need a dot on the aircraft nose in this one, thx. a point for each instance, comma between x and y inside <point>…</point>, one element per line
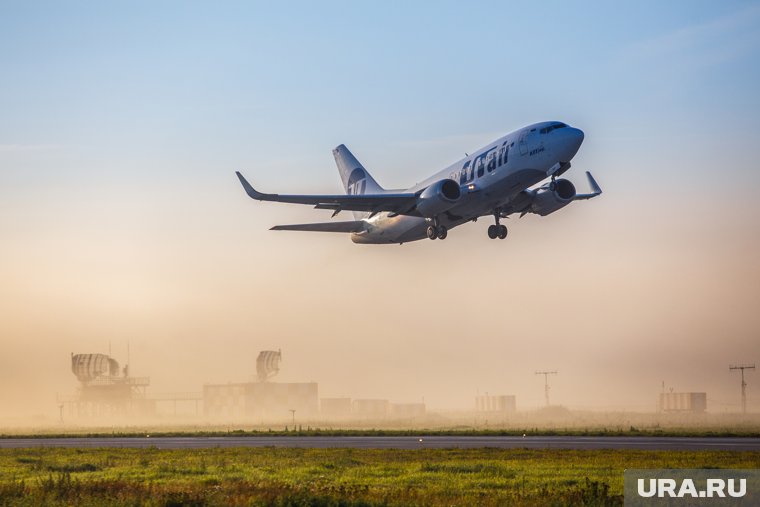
<point>574,139</point>
<point>578,135</point>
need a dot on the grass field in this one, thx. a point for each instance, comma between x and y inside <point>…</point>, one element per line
<point>279,476</point>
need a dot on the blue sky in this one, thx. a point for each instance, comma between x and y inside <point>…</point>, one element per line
<point>245,82</point>
<point>121,125</point>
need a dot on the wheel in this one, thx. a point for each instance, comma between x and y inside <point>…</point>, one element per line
<point>431,232</point>
<point>442,232</point>
<point>502,231</point>
<point>493,231</point>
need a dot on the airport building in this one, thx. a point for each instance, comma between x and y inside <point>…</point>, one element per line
<point>262,399</point>
<point>105,389</point>
<point>501,403</point>
<point>405,410</point>
<point>683,402</point>
<point>370,408</point>
<point>268,400</point>
<point>335,407</point>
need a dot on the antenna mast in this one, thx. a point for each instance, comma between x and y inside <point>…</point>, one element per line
<point>546,374</point>
<point>743,367</point>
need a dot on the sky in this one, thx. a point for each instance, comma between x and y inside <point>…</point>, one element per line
<point>121,219</point>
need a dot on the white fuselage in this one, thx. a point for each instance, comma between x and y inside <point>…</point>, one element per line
<point>491,179</point>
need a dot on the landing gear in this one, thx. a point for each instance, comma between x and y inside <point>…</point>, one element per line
<point>439,232</point>
<point>436,231</point>
<point>497,230</point>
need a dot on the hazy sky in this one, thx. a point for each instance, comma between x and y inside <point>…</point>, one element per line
<point>121,126</point>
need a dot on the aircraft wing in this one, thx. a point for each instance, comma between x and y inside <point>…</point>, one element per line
<point>372,203</point>
<point>352,226</point>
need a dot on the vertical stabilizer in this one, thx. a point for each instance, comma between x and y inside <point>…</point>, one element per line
<point>356,179</point>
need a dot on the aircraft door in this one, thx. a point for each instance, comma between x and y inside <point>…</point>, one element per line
<point>523,142</point>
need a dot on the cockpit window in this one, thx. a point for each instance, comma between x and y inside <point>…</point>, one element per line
<point>553,126</point>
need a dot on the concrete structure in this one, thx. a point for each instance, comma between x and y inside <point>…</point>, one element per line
<point>370,408</point>
<point>269,400</point>
<point>407,409</point>
<point>683,402</point>
<point>105,389</point>
<point>335,407</point>
<point>496,403</point>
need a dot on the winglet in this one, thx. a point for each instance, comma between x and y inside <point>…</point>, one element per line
<point>595,189</point>
<point>248,188</point>
<point>594,185</point>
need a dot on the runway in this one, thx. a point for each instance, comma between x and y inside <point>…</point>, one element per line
<point>405,442</point>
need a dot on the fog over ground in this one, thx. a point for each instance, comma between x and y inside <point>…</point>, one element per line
<point>122,221</point>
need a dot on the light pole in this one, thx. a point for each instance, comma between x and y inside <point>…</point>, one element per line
<point>546,374</point>
<point>743,367</point>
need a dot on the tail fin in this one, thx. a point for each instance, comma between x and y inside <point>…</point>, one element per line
<point>356,179</point>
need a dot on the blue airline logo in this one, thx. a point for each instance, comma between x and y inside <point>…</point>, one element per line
<point>357,182</point>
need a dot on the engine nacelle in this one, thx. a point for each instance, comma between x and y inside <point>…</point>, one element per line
<point>552,197</point>
<point>438,197</point>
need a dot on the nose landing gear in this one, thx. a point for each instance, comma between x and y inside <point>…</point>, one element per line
<point>498,230</point>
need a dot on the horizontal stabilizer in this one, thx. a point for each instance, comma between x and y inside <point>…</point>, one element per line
<point>352,226</point>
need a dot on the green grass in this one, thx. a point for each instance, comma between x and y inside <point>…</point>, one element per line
<point>282,476</point>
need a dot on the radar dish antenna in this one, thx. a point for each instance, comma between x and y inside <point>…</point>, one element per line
<point>94,367</point>
<point>268,364</point>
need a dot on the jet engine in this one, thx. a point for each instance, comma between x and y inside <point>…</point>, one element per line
<point>549,198</point>
<point>438,197</point>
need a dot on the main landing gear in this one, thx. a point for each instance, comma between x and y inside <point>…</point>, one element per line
<point>437,231</point>
<point>497,230</point>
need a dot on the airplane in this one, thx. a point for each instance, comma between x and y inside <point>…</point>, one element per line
<point>493,181</point>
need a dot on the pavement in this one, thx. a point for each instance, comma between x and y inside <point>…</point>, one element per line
<point>395,442</point>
